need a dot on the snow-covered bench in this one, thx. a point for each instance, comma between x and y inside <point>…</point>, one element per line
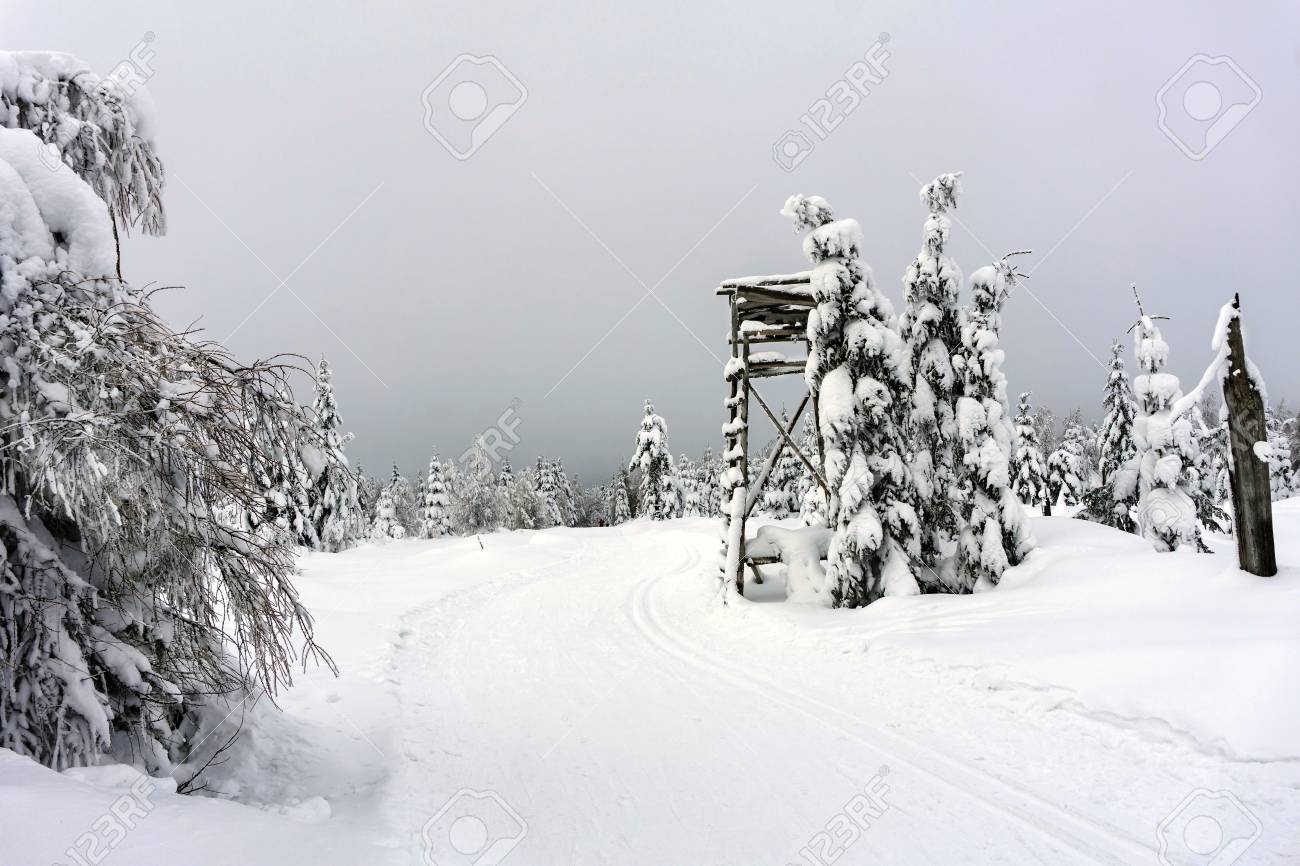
<point>802,552</point>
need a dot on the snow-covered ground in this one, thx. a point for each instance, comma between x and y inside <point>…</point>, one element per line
<point>579,696</point>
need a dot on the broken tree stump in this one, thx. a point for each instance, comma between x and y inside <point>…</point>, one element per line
<point>1252,503</point>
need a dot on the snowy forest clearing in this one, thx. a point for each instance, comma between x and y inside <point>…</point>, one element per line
<point>589,679</point>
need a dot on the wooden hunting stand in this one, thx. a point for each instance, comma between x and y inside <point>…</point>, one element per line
<point>764,310</point>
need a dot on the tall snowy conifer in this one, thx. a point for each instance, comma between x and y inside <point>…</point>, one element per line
<point>1065,468</point>
<point>435,513</point>
<point>930,327</point>
<point>857,367</point>
<point>995,534</point>
<point>333,496</point>
<point>655,462</point>
<point>1113,500</point>
<point>1165,462</point>
<point>1028,471</point>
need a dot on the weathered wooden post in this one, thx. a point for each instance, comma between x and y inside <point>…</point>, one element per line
<point>1252,505</point>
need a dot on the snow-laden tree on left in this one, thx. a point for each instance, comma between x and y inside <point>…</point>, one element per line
<point>931,329</point>
<point>335,513</point>
<point>857,370</point>
<point>655,463</point>
<point>139,609</point>
<point>994,534</point>
<point>619,510</point>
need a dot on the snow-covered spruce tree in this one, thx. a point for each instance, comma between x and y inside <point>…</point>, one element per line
<point>687,486</point>
<point>404,501</point>
<point>619,510</point>
<point>548,494</point>
<point>857,368</point>
<point>1165,463</point>
<point>1113,500</point>
<point>812,499</point>
<point>435,513</point>
<point>708,483</point>
<point>1028,470</point>
<point>386,524</point>
<point>368,488</point>
<point>1281,475</point>
<point>994,531</point>
<point>333,497</point>
<point>134,609</point>
<point>782,493</point>
<point>930,327</point>
<point>1064,466</point>
<point>506,483</point>
<point>654,461</point>
<point>523,507</point>
<point>567,498</point>
<point>478,506</point>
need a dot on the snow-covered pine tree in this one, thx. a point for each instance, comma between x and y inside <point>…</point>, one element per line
<point>548,494</point>
<point>930,327</point>
<point>857,369</point>
<point>568,497</point>
<point>619,510</point>
<point>1114,499</point>
<point>654,461</point>
<point>525,506</point>
<point>708,484</point>
<point>386,524</point>
<point>1281,474</point>
<point>135,605</point>
<point>479,506</point>
<point>368,488</point>
<point>404,501</point>
<point>506,482</point>
<point>1165,462</point>
<point>782,494</point>
<point>333,497</point>
<point>1028,470</point>
<point>812,499</point>
<point>995,533</point>
<point>1064,469</point>
<point>685,498</point>
<point>435,511</point>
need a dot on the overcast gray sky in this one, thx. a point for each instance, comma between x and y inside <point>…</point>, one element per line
<point>642,158</point>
